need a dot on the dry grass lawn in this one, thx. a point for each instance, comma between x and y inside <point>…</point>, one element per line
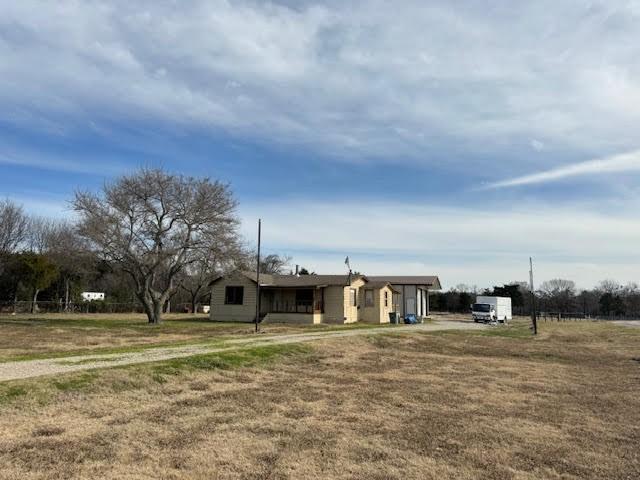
<point>423,406</point>
<point>40,336</point>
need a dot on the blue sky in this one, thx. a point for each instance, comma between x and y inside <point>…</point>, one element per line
<point>415,137</point>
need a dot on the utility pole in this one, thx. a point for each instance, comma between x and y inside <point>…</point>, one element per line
<point>534,321</point>
<point>258,276</point>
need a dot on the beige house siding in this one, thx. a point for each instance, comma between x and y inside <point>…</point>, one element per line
<point>233,313</point>
<point>279,303</point>
<point>385,310</point>
<point>351,312</point>
<point>334,311</point>
<point>297,318</point>
<point>369,314</point>
<point>377,313</point>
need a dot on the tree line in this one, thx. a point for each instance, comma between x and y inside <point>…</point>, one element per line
<point>151,237</point>
<point>557,296</point>
<point>154,238</point>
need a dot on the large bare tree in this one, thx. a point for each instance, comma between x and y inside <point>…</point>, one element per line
<point>13,226</point>
<point>60,242</point>
<point>210,264</point>
<point>153,225</point>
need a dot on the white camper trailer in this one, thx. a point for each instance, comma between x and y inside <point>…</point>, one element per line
<point>91,296</point>
<point>491,309</point>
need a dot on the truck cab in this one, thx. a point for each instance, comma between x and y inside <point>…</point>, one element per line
<point>491,309</point>
<point>483,312</point>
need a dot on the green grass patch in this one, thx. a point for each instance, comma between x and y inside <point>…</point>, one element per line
<point>11,393</point>
<point>75,382</point>
<point>230,359</point>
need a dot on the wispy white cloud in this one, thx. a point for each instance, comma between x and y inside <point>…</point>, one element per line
<point>38,204</point>
<point>360,78</point>
<point>481,246</point>
<point>88,162</point>
<point>626,162</point>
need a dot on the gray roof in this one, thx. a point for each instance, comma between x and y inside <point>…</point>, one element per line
<point>304,280</point>
<point>379,284</point>
<point>431,281</point>
<point>267,280</point>
<point>293,281</point>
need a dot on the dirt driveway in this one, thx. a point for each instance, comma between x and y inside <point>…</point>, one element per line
<point>53,366</point>
<point>627,323</point>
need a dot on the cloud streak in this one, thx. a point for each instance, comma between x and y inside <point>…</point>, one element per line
<point>358,79</point>
<point>462,245</point>
<point>626,162</point>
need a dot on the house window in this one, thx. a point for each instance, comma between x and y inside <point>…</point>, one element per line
<point>353,298</point>
<point>233,295</point>
<point>368,298</point>
<point>386,299</point>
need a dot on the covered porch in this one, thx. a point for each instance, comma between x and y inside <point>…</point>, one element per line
<point>292,304</point>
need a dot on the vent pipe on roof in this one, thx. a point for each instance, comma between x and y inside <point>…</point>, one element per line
<point>297,270</point>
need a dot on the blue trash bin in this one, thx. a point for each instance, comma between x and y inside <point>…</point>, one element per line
<point>410,319</point>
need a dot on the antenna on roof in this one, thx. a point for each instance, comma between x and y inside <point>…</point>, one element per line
<point>346,262</point>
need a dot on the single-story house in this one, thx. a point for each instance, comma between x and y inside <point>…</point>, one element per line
<point>412,295</point>
<point>302,298</point>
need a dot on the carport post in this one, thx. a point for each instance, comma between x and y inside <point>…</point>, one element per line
<point>427,301</point>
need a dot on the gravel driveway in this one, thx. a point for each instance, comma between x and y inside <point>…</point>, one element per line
<point>627,323</point>
<point>54,366</point>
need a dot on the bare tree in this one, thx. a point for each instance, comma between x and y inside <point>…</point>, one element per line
<point>41,234</point>
<point>62,244</point>
<point>559,293</point>
<point>274,264</point>
<point>609,286</point>
<point>153,225</point>
<point>37,272</point>
<point>211,263</point>
<point>13,226</point>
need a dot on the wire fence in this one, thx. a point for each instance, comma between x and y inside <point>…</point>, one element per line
<point>95,306</point>
<point>551,316</point>
<point>576,316</point>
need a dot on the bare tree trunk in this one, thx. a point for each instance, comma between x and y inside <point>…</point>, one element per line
<point>157,312</point>
<point>34,304</point>
<point>195,296</point>
<point>194,303</point>
<point>148,306</point>
<point>66,294</point>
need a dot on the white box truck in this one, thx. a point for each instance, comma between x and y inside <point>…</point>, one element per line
<point>491,309</point>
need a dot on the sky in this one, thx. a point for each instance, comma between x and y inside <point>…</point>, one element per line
<point>447,138</point>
